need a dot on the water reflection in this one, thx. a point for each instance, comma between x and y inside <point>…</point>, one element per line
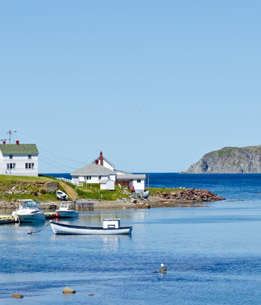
<point>113,241</point>
<point>30,225</point>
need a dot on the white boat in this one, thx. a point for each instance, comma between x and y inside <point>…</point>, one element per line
<point>145,195</point>
<point>61,195</point>
<point>65,211</point>
<point>29,211</point>
<point>110,227</point>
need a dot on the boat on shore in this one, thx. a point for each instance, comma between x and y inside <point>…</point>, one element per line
<point>29,212</point>
<point>109,227</point>
<point>66,211</point>
<point>142,195</point>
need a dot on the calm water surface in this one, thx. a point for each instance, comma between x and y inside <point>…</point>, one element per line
<point>213,254</point>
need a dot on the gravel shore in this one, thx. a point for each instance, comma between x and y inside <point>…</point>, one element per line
<point>184,198</point>
<point>116,205</point>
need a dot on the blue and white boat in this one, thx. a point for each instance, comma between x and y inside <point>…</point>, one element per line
<point>29,211</point>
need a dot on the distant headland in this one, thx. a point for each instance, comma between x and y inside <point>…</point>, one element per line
<point>229,160</point>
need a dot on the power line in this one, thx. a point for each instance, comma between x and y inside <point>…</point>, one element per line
<point>55,162</point>
<point>58,167</point>
<point>83,163</point>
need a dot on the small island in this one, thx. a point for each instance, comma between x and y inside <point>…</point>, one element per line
<point>229,160</point>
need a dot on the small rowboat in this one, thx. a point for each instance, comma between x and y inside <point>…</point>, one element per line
<point>110,227</point>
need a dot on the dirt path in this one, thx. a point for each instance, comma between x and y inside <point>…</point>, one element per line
<point>68,190</point>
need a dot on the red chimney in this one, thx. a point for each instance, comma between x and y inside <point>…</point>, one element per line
<point>96,162</point>
<point>4,142</point>
<point>17,142</point>
<point>101,159</point>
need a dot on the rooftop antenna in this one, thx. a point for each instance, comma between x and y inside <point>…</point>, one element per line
<point>10,134</point>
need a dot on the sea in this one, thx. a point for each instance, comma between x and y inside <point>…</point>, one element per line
<point>212,252</point>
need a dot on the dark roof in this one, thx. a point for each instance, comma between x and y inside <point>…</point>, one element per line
<point>19,149</point>
<point>93,170</point>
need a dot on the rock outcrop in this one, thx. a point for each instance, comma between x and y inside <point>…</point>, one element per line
<point>229,160</point>
<point>68,290</point>
<point>193,194</point>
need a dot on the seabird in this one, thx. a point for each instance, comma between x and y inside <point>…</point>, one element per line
<point>163,266</point>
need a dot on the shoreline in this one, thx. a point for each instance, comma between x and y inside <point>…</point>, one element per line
<point>99,205</point>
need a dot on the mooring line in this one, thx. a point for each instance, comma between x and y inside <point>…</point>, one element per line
<point>32,232</point>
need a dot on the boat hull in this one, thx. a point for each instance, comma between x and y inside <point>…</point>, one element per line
<point>67,214</point>
<point>63,229</point>
<point>36,218</point>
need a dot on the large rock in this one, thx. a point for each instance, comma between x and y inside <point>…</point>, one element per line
<point>68,290</point>
<point>51,186</point>
<point>228,160</point>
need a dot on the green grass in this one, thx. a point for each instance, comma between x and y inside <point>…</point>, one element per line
<point>15,179</point>
<point>229,150</point>
<point>25,188</point>
<point>154,191</point>
<point>92,191</point>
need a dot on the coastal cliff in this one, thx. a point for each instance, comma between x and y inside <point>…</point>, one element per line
<point>229,160</point>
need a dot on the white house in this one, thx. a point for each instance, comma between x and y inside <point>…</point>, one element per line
<point>18,159</point>
<point>93,173</point>
<point>102,171</point>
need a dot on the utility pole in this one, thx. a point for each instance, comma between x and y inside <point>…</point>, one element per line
<point>10,134</point>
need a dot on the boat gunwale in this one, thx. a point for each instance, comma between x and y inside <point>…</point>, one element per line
<point>87,228</point>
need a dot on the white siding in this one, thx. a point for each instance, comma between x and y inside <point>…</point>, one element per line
<point>106,164</point>
<point>112,177</point>
<point>139,185</point>
<point>109,185</point>
<point>93,179</point>
<point>20,165</point>
<point>1,163</point>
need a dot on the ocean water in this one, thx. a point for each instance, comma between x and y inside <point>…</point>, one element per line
<point>212,253</point>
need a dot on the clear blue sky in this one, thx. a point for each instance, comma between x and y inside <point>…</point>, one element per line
<point>153,84</point>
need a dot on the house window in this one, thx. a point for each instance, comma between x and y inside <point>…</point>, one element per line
<point>29,156</point>
<point>10,156</point>
<point>138,181</point>
<point>99,177</point>
<point>29,165</point>
<point>10,165</point>
<point>88,178</point>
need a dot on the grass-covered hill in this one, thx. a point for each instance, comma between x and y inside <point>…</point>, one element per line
<point>44,189</point>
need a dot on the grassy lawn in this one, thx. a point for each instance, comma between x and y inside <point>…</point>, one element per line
<point>93,191</point>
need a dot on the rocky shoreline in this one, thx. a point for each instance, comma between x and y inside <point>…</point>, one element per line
<point>185,197</point>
